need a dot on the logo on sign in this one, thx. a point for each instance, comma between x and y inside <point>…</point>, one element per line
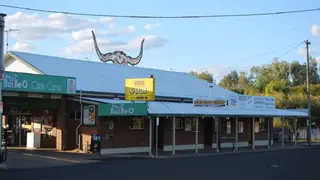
<point>212,103</point>
<point>120,110</point>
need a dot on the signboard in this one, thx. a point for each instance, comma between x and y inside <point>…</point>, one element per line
<point>89,115</point>
<point>123,109</point>
<point>24,82</point>
<point>259,102</point>
<point>141,89</point>
<point>245,101</point>
<point>269,102</point>
<point>233,101</point>
<point>209,103</point>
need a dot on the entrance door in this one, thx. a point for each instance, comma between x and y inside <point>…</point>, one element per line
<point>250,132</point>
<point>19,125</point>
<point>208,132</point>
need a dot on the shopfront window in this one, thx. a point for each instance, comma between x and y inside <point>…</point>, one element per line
<point>191,124</point>
<point>178,122</point>
<point>262,124</point>
<point>137,123</point>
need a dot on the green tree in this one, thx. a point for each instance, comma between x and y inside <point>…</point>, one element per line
<point>203,75</point>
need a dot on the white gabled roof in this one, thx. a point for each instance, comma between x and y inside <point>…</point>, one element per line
<point>110,78</point>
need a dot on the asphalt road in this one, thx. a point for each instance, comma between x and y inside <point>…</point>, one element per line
<point>300,164</point>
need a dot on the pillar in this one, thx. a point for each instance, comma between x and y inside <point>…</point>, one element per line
<point>253,134</point>
<point>174,136</point>
<point>237,135</point>
<point>197,134</point>
<point>61,137</point>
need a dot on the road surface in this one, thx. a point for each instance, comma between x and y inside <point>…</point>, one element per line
<point>300,164</point>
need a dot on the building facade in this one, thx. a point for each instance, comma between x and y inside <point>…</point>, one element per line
<point>68,116</point>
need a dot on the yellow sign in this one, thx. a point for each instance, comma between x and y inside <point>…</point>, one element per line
<point>212,103</point>
<point>141,89</point>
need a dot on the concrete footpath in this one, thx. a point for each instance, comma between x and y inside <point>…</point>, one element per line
<point>19,159</point>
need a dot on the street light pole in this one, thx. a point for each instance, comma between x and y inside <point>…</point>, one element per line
<point>1,74</point>
<point>309,96</point>
<point>7,40</point>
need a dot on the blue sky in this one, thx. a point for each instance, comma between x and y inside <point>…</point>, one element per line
<point>217,45</point>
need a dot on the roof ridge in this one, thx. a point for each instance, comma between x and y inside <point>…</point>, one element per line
<point>86,61</point>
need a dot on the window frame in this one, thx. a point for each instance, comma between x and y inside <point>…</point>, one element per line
<point>181,119</point>
<point>136,119</point>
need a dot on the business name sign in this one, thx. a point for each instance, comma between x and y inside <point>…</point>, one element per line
<point>141,89</point>
<point>89,115</point>
<point>24,82</point>
<point>209,103</point>
<point>123,109</point>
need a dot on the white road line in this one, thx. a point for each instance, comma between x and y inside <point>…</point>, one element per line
<point>54,158</point>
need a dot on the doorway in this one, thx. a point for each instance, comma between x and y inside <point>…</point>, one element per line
<point>18,127</point>
<point>160,133</point>
<point>250,132</point>
<point>208,132</point>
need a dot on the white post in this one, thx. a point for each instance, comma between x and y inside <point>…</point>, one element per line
<point>150,136</point>
<point>269,130</point>
<point>253,134</point>
<point>295,132</point>
<point>174,136</point>
<point>282,132</point>
<point>197,133</point>
<point>157,126</point>
<point>217,134</point>
<point>237,129</point>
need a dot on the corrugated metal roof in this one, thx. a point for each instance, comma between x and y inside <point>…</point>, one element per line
<point>109,78</point>
<point>185,109</point>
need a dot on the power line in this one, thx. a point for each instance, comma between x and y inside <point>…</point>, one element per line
<point>164,17</point>
<point>290,50</point>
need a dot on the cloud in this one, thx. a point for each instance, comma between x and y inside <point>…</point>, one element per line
<point>151,41</point>
<point>34,27</point>
<point>149,27</point>
<point>318,59</point>
<point>302,51</point>
<point>25,47</point>
<point>315,30</point>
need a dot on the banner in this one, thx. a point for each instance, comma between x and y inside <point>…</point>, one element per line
<point>141,89</point>
<point>270,102</point>
<point>89,113</point>
<point>210,103</point>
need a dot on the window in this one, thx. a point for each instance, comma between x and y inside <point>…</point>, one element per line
<point>228,127</point>
<point>256,126</point>
<point>137,123</point>
<point>240,126</point>
<point>191,124</point>
<point>178,122</point>
<point>262,124</point>
<point>75,115</point>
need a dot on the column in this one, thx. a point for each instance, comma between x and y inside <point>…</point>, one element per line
<point>282,132</point>
<point>217,134</point>
<point>295,131</point>
<point>237,138</point>
<point>157,126</point>
<point>150,136</point>
<point>269,131</point>
<point>174,136</point>
<point>2,24</point>
<point>61,125</point>
<point>253,134</point>
<point>197,133</point>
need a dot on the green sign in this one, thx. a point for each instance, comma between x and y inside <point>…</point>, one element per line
<point>14,81</point>
<point>123,109</point>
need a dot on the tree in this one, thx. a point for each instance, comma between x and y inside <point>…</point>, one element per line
<point>203,75</point>
<point>230,81</point>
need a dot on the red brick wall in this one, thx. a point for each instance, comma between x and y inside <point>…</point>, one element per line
<point>123,136</point>
<point>61,125</point>
<point>182,137</point>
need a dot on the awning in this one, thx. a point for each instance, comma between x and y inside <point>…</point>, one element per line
<point>158,108</point>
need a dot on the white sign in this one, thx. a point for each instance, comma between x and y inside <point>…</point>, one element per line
<point>258,102</point>
<point>269,102</point>
<point>89,114</point>
<point>233,101</point>
<point>245,102</point>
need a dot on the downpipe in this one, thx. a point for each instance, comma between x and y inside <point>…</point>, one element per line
<point>78,138</point>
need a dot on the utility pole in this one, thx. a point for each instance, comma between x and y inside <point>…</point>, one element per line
<point>7,34</point>
<point>2,24</point>
<point>309,98</point>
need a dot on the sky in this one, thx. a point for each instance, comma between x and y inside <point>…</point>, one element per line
<point>216,45</point>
